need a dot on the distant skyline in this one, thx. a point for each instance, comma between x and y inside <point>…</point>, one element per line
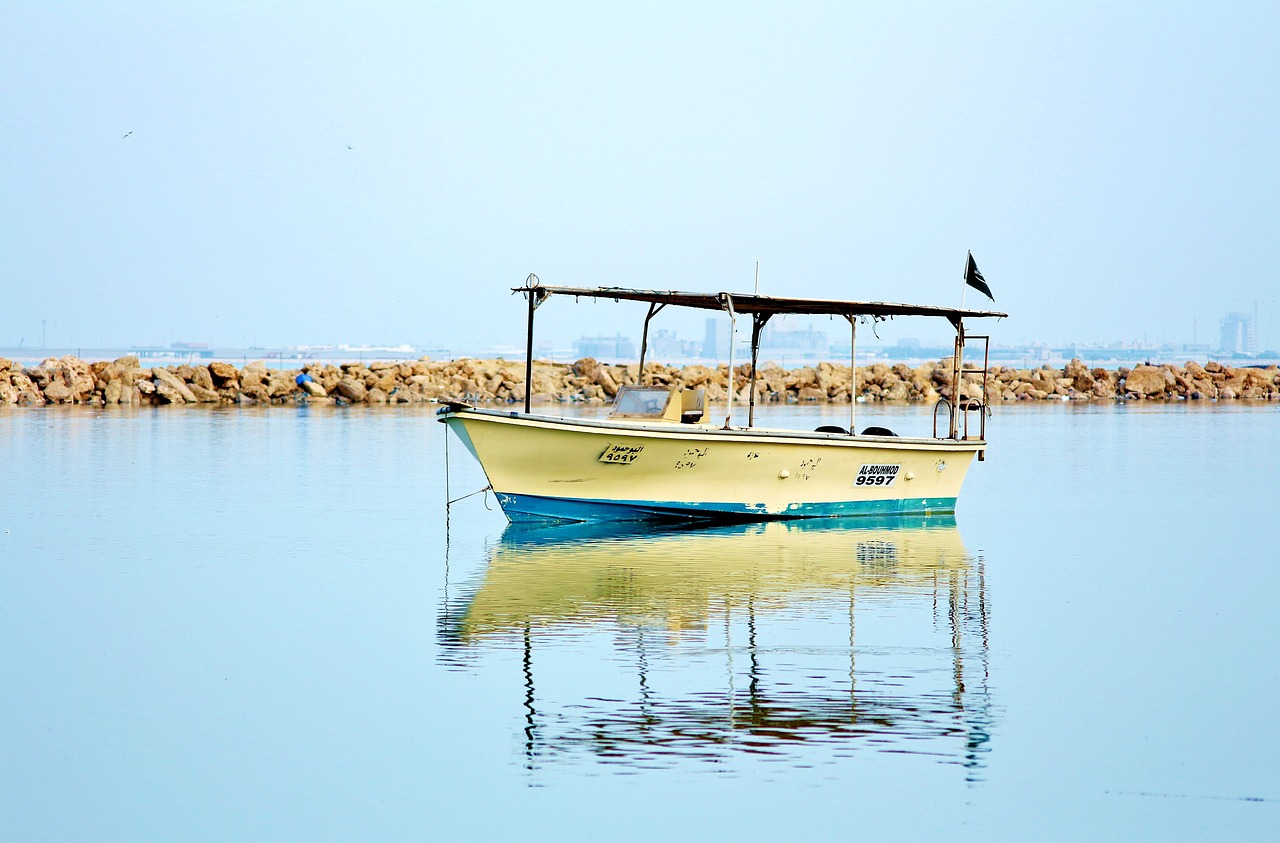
<point>289,174</point>
<point>1234,338</point>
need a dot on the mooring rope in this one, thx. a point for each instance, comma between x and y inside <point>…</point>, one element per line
<point>471,495</point>
<point>448,502</point>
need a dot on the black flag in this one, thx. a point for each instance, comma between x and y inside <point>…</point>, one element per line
<point>974,278</point>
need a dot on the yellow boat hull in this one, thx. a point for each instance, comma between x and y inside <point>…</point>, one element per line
<point>546,468</point>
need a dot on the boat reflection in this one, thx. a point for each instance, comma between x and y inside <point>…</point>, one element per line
<point>794,640</point>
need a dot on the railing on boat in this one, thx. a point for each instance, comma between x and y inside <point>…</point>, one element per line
<point>959,407</point>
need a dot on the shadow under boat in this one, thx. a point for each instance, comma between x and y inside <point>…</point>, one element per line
<point>656,589</point>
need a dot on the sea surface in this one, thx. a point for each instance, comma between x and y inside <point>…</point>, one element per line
<point>241,624</point>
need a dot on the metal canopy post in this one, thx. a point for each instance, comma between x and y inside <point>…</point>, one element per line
<point>853,370</point>
<point>757,323</point>
<point>654,308</point>
<point>956,374</point>
<point>733,318</point>
<point>536,296</point>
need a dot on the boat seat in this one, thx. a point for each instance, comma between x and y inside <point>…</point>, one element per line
<point>877,431</point>
<point>693,405</point>
<point>830,428</point>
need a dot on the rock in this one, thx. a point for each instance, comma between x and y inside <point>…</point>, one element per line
<point>69,380</point>
<point>803,378</point>
<point>1146,380</point>
<point>256,392</point>
<point>607,383</point>
<point>896,391</point>
<point>41,375</point>
<point>1083,380</point>
<point>170,394</point>
<point>223,373</point>
<point>201,377</point>
<point>1074,369</point>
<point>1103,389</point>
<point>1257,377</point>
<point>204,395</point>
<point>353,390</point>
<point>693,376</point>
<point>176,385</point>
<point>281,384</point>
<point>588,369</point>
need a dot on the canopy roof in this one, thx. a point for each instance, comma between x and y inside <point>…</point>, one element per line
<point>766,305</point>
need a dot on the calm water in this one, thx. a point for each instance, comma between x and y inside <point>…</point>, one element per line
<point>256,625</point>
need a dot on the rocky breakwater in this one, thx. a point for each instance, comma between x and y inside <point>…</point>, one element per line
<point>69,380</point>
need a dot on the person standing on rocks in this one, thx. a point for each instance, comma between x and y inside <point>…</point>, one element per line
<point>308,384</point>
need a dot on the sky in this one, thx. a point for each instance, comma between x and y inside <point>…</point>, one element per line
<point>320,173</point>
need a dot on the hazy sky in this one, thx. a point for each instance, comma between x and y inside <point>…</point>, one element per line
<point>328,172</point>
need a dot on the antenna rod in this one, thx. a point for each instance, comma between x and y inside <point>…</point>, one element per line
<point>733,318</point>
<point>853,372</point>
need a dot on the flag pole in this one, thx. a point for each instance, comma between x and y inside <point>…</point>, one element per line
<point>957,361</point>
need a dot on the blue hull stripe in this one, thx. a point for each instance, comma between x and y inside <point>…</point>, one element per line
<point>523,508</point>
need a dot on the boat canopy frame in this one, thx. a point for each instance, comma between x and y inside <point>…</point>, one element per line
<point>761,309</point>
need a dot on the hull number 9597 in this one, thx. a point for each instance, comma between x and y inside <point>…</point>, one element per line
<point>877,475</point>
<point>621,454</point>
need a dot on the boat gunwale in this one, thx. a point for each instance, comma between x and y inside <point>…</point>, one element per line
<point>711,433</point>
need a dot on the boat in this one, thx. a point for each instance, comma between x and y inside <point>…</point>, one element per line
<point>662,454</point>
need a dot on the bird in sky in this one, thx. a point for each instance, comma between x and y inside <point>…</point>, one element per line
<point>126,134</point>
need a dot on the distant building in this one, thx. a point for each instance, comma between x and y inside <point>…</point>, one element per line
<point>775,344</point>
<point>1239,334</point>
<point>715,342</point>
<point>804,343</point>
<point>606,348</point>
<point>198,349</point>
<point>665,346</point>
